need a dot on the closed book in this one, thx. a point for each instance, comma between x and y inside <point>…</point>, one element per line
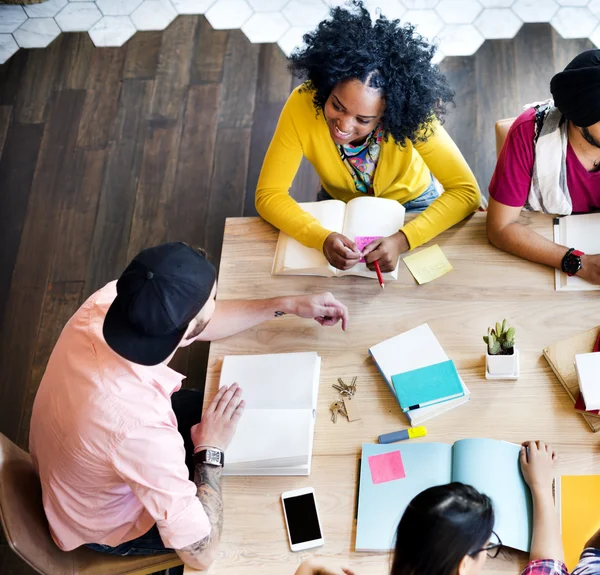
<point>588,370</point>
<point>581,408</point>
<point>427,385</point>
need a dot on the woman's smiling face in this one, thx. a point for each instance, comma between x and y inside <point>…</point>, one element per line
<point>352,111</point>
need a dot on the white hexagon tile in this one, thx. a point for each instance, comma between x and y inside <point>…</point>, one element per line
<point>457,27</point>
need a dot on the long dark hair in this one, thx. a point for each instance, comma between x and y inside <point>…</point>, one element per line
<point>439,527</point>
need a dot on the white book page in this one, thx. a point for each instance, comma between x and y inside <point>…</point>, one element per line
<point>587,366</point>
<point>302,260</point>
<point>275,381</point>
<point>266,434</point>
<point>581,232</point>
<point>372,217</point>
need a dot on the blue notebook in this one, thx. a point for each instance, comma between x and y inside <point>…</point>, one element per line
<point>490,466</point>
<point>427,385</point>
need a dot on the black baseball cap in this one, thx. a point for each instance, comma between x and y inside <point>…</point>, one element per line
<point>159,293</point>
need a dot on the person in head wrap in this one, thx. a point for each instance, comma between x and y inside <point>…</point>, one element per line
<point>550,162</point>
<point>115,441</point>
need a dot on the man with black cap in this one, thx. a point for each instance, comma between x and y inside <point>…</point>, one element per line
<point>550,162</point>
<point>110,429</point>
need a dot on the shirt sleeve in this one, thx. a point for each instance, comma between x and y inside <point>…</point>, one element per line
<point>461,195</point>
<point>151,460</point>
<point>512,177</point>
<point>282,160</point>
<point>545,567</point>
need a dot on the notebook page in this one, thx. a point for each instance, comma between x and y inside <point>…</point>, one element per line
<point>580,232</point>
<point>275,381</point>
<point>370,216</point>
<point>493,468</point>
<point>302,260</point>
<point>266,434</point>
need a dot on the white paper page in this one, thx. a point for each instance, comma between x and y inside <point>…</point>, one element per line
<point>588,367</point>
<point>410,350</point>
<point>372,217</point>
<point>275,381</point>
<point>264,434</point>
<point>581,232</point>
<point>299,258</point>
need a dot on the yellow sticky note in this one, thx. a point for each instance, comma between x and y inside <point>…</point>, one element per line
<point>580,519</point>
<point>428,264</point>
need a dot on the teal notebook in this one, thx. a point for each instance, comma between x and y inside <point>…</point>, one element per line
<point>427,385</point>
<point>491,466</point>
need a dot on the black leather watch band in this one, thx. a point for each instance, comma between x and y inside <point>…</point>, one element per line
<point>214,457</point>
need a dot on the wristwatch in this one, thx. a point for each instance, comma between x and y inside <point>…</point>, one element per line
<point>210,456</point>
<point>571,262</point>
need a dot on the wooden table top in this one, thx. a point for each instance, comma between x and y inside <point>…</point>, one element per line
<point>486,285</point>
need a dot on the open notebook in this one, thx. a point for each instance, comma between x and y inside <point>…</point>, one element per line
<point>275,433</point>
<point>411,350</point>
<point>579,232</point>
<point>490,466</point>
<point>360,217</point>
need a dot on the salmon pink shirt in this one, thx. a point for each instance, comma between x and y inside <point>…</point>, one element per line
<point>104,441</point>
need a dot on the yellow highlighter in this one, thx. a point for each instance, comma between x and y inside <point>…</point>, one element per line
<point>410,433</point>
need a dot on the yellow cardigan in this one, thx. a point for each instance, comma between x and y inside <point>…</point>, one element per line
<point>401,174</point>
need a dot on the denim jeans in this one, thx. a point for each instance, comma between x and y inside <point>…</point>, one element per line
<point>187,405</point>
<point>419,204</point>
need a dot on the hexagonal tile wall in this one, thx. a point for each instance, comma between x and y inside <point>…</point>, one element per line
<point>112,31</point>
<point>36,33</point>
<point>456,26</point>
<point>11,17</point>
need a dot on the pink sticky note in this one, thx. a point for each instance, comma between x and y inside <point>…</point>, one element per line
<point>386,467</point>
<point>363,241</point>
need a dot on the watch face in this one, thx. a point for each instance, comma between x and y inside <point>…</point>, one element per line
<point>213,457</point>
<point>572,264</point>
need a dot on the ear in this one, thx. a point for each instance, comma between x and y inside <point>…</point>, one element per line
<point>465,565</point>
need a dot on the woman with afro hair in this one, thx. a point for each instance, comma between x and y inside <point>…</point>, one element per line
<point>368,119</point>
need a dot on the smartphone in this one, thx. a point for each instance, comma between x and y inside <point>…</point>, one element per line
<point>302,519</point>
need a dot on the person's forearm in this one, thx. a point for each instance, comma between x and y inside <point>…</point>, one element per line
<point>201,554</point>
<point>546,542</point>
<point>517,239</point>
<point>235,316</point>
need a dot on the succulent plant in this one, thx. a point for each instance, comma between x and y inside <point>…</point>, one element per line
<point>500,339</point>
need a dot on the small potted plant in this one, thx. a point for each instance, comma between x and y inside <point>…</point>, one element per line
<point>502,357</point>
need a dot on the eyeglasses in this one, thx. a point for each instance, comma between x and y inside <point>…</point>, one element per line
<point>492,548</point>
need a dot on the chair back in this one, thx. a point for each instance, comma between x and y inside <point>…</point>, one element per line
<point>502,128</point>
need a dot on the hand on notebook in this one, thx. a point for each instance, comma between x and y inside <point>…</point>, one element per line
<point>323,308</point>
<point>538,462</point>
<point>386,251</point>
<point>220,419</point>
<point>341,252</point>
<point>590,268</point>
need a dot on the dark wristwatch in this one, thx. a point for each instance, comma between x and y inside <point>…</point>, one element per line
<point>210,456</point>
<point>571,262</point>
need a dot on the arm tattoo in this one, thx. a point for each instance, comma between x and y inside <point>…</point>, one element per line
<point>279,313</point>
<point>208,481</point>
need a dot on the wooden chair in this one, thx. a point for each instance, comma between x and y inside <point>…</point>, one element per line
<point>26,528</point>
<point>502,128</point>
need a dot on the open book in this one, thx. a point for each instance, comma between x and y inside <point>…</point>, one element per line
<point>275,433</point>
<point>414,349</point>
<point>579,232</point>
<point>491,466</point>
<point>360,217</point>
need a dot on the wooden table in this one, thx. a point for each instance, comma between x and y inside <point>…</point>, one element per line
<point>486,285</point>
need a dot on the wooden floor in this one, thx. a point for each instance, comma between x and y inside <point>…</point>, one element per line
<point>106,151</point>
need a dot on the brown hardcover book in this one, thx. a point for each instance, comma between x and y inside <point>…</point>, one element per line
<point>561,358</point>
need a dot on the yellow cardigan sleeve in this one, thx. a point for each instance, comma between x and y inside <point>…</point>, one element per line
<point>461,194</point>
<point>282,160</point>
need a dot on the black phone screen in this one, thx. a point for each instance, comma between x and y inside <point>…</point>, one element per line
<point>303,522</point>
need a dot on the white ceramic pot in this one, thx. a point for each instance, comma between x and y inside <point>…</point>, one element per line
<point>502,365</point>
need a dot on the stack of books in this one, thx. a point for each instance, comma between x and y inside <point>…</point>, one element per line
<point>420,375</point>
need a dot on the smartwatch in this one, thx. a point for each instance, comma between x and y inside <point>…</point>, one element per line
<point>571,262</point>
<point>210,456</point>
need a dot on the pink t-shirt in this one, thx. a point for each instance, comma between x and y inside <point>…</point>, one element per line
<point>512,177</point>
<point>104,441</point>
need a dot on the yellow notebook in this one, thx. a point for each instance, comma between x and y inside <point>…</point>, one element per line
<point>578,502</point>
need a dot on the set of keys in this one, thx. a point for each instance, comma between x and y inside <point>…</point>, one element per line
<point>347,404</point>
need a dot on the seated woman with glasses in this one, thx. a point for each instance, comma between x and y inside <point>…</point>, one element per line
<point>448,530</point>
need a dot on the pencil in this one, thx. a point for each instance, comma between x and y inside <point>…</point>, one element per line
<point>379,276</point>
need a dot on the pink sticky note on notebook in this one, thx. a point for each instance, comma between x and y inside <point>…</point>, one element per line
<point>363,241</point>
<point>386,467</point>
